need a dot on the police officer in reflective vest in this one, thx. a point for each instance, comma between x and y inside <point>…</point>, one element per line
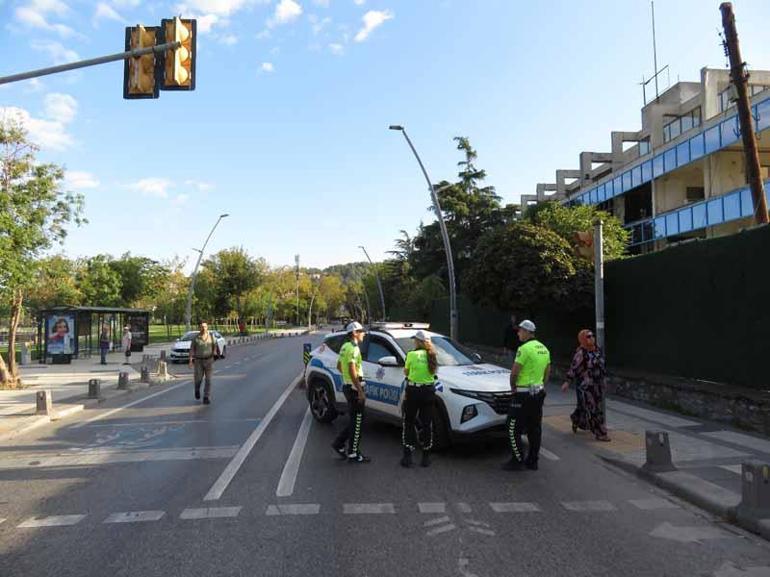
<point>349,364</point>
<point>529,374</point>
<point>419,397</point>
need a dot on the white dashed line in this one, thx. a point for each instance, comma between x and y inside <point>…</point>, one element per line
<point>210,513</point>
<point>548,454</point>
<point>439,530</point>
<point>653,504</point>
<point>135,517</point>
<point>432,508</point>
<point>588,506</point>
<point>54,521</point>
<point>291,468</point>
<point>368,508</point>
<point>293,509</point>
<point>737,469</point>
<point>434,522</point>
<point>464,508</point>
<point>487,532</point>
<point>515,507</point>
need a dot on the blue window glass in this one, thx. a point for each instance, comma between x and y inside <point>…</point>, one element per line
<point>669,160</point>
<point>699,216</point>
<point>657,166</point>
<point>602,193</point>
<point>696,146</point>
<point>714,208</point>
<point>617,186</point>
<point>592,196</point>
<point>636,176</point>
<point>732,204</point>
<point>729,128</point>
<point>712,139</point>
<point>660,227</point>
<point>608,189</point>
<point>672,224</point>
<point>626,181</point>
<point>685,220</point>
<point>683,153</point>
<point>647,171</point>
<point>763,112</point>
<point>747,204</point>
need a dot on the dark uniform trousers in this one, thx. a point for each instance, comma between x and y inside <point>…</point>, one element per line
<point>418,399</point>
<point>526,414</point>
<point>352,433</point>
<point>203,367</point>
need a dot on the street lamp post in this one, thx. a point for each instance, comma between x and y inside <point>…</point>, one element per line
<point>188,308</point>
<point>316,280</point>
<point>379,284</point>
<point>453,317</point>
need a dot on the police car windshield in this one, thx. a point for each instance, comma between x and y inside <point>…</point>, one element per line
<point>189,336</point>
<point>449,354</point>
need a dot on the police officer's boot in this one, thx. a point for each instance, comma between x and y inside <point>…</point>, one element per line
<point>406,460</point>
<point>425,458</point>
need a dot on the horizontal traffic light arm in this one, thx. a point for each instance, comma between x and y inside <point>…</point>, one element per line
<point>159,49</point>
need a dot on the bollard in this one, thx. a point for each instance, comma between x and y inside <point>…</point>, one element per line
<point>306,348</point>
<point>163,355</point>
<point>123,381</point>
<point>44,403</point>
<point>145,374</point>
<point>162,371</point>
<point>755,493</point>
<point>658,452</point>
<point>94,388</point>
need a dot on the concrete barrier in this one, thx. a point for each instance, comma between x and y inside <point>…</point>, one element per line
<point>755,495</point>
<point>44,403</point>
<point>163,355</point>
<point>123,381</point>
<point>658,452</point>
<point>145,374</point>
<point>94,388</point>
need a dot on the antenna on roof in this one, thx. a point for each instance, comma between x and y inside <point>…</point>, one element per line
<point>654,77</point>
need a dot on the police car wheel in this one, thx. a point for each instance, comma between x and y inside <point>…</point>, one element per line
<point>321,402</point>
<point>442,438</point>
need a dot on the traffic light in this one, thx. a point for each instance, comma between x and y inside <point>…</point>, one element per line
<point>141,75</point>
<point>179,68</point>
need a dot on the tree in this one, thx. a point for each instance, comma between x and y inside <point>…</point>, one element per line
<point>233,273</point>
<point>99,283</point>
<point>34,215</point>
<point>141,278</point>
<point>567,221</point>
<point>54,284</point>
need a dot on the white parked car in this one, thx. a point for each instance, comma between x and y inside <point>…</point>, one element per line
<point>472,397</point>
<point>180,352</point>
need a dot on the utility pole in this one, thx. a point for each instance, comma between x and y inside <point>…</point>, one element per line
<point>599,291</point>
<point>740,78</point>
<point>379,284</point>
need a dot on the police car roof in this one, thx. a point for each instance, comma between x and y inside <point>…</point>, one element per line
<point>392,325</point>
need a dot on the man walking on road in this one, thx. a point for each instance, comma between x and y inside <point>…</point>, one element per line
<point>203,349</point>
<point>349,364</point>
<point>529,374</point>
<point>126,342</point>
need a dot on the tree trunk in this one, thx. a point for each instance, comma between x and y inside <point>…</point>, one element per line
<point>15,319</point>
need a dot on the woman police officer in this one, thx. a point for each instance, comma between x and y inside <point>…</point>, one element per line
<point>419,398</point>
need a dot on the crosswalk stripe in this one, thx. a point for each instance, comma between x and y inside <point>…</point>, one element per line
<point>588,506</point>
<point>135,517</point>
<point>368,508</point>
<point>548,454</point>
<point>439,530</point>
<point>514,507</point>
<point>432,508</point>
<point>293,509</point>
<point>653,504</point>
<point>53,521</point>
<point>434,522</point>
<point>464,508</point>
<point>210,513</point>
<point>737,469</point>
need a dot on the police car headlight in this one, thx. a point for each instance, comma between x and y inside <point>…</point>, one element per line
<point>469,412</point>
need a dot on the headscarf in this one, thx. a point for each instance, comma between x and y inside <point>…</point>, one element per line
<point>585,342</point>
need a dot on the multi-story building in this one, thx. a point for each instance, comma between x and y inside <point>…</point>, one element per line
<point>683,174</point>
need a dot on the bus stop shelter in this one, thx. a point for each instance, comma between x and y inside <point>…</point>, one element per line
<point>64,333</point>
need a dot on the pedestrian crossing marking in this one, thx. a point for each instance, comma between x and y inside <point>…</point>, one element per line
<point>515,507</point>
<point>439,530</point>
<point>653,504</point>
<point>53,521</point>
<point>437,521</point>
<point>293,509</point>
<point>432,508</point>
<point>588,506</point>
<point>368,508</point>
<point>135,517</point>
<point>210,513</point>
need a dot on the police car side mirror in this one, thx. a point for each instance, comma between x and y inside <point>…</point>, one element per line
<point>476,358</point>
<point>388,362</point>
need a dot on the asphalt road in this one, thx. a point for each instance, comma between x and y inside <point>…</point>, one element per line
<point>170,487</point>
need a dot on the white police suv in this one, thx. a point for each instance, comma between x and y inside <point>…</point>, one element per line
<point>472,397</point>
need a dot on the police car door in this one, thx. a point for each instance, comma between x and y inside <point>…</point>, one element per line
<point>383,383</point>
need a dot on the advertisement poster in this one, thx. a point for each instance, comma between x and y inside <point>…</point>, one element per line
<point>139,331</point>
<point>60,334</point>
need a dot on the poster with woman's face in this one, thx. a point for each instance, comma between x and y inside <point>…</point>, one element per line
<point>60,334</point>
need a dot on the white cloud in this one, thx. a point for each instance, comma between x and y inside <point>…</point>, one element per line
<point>60,108</point>
<point>156,187</point>
<point>181,199</point>
<point>267,67</point>
<point>324,3</point>
<point>372,20</point>
<point>126,3</point>
<point>229,39</point>
<point>336,49</point>
<point>359,2</point>
<point>34,15</point>
<point>206,22</point>
<point>217,7</point>
<point>286,11</point>
<point>59,54</point>
<point>106,12</point>
<point>318,24</point>
<point>48,134</point>
<point>79,180</point>
<point>199,185</point>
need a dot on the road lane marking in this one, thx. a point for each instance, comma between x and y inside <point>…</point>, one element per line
<point>2,520</point>
<point>653,504</point>
<point>548,454</point>
<point>162,423</point>
<point>439,530</point>
<point>221,484</point>
<point>53,521</point>
<point>437,521</point>
<point>515,507</point>
<point>482,531</point>
<point>432,508</point>
<point>588,506</point>
<point>291,468</point>
<point>368,508</point>
<point>737,469</point>
<point>135,517</point>
<point>293,509</point>
<point>464,508</point>
<point>210,513</point>
<point>128,405</point>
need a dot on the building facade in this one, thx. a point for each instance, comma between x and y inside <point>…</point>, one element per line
<point>682,176</point>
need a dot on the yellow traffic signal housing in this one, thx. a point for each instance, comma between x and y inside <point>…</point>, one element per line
<point>141,75</point>
<point>179,67</point>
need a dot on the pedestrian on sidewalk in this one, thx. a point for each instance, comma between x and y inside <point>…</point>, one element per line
<point>511,340</point>
<point>588,373</point>
<point>349,364</point>
<point>126,343</point>
<point>104,343</point>
<point>419,398</point>
<point>203,350</point>
<point>529,373</point>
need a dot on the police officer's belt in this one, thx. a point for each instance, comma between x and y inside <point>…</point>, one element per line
<point>531,389</point>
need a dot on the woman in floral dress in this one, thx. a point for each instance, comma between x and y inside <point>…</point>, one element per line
<point>587,372</point>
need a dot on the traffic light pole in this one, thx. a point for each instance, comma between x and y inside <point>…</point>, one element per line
<point>159,49</point>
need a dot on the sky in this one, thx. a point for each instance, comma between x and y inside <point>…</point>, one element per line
<point>287,130</point>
